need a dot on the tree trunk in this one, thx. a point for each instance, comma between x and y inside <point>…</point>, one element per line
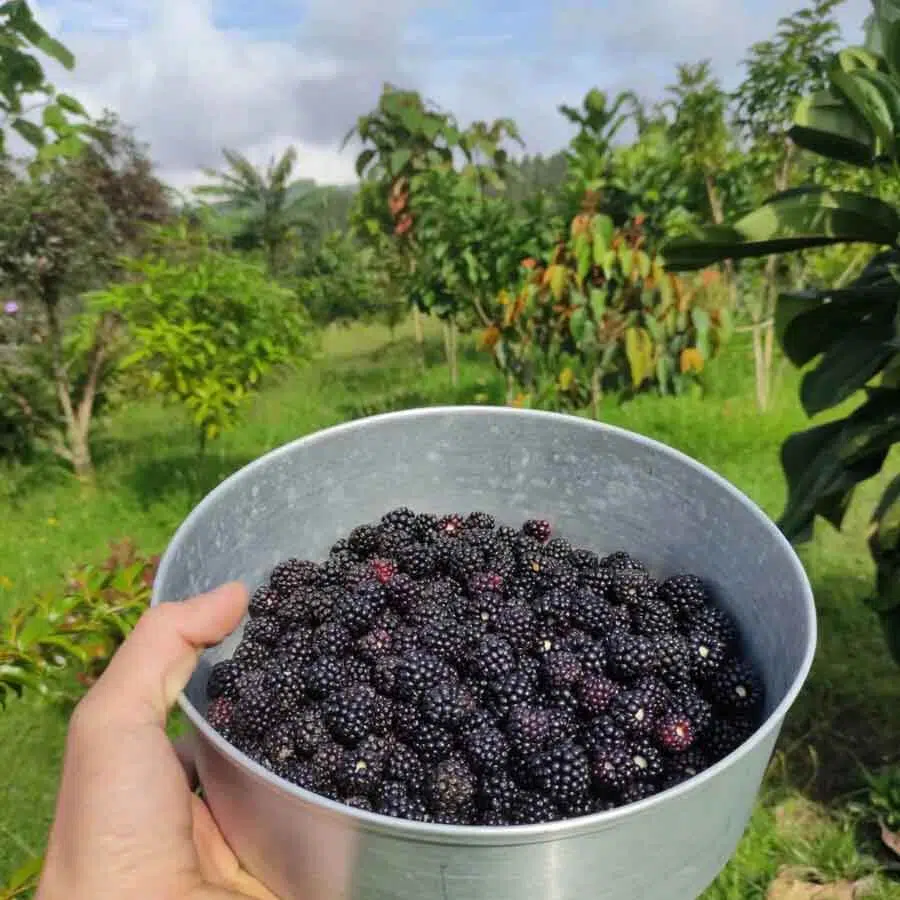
<point>449,329</point>
<point>596,392</point>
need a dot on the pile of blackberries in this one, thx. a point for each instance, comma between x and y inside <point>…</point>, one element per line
<point>450,669</point>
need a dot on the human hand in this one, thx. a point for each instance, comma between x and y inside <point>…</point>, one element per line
<point>127,823</point>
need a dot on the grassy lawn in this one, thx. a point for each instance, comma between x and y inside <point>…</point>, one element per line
<point>149,477</point>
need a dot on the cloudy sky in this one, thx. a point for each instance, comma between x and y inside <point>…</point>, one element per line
<point>193,76</point>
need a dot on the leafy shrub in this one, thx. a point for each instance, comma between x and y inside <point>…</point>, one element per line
<point>59,644</point>
<point>207,327</point>
<point>603,315</point>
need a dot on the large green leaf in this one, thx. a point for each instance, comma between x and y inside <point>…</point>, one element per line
<point>824,464</point>
<point>826,125</point>
<point>875,97</point>
<point>793,220</point>
<point>884,544</point>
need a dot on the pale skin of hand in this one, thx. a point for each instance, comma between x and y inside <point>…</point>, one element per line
<point>127,824</point>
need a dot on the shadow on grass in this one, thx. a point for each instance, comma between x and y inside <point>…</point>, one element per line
<point>847,717</point>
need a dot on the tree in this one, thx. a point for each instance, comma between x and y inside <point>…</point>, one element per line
<point>206,327</point>
<point>852,332</point>
<point>263,199</point>
<point>779,72</point>
<point>61,232</point>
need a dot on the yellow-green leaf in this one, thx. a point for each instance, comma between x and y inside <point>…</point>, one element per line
<point>639,350</point>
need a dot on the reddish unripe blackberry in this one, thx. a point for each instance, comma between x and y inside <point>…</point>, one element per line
<point>292,574</point>
<point>630,655</point>
<point>331,639</point>
<point>491,657</point>
<point>560,670</point>
<point>220,713</point>
<point>451,786</point>
<point>447,704</point>
<point>533,808</point>
<point>633,587</point>
<point>622,561</point>
<point>737,688</point>
<point>264,601</point>
<point>675,732</point>
<point>418,671</point>
<point>707,654</point>
<point>224,680</point>
<point>349,714</point>
<point>539,529</point>
<point>363,540</point>
<point>450,525</point>
<point>685,594</point>
<point>374,644</point>
<point>633,711</point>
<point>416,560</point>
<point>486,749</point>
<point>480,520</point>
<point>383,570</point>
<point>510,689</point>
<point>324,677</point>
<point>562,772</point>
<point>595,694</point>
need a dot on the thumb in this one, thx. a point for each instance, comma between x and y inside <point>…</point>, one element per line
<point>150,669</point>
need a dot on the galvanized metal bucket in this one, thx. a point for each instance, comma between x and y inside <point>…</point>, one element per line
<point>602,487</point>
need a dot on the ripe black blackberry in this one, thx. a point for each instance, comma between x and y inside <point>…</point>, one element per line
<point>254,713</point>
<point>251,656</point>
<point>447,639</point>
<point>678,767</point>
<point>646,759</point>
<point>516,623</point>
<point>374,644</point>
<point>331,639</point>
<point>497,792</point>
<point>612,768</point>
<point>630,655</point>
<point>554,607</point>
<point>357,671</point>
<point>384,674</point>
<point>400,517</point>
<point>491,657</point>
<point>585,560</point>
<point>224,680</point>
<point>707,654</point>
<point>559,549</point>
<point>510,689</point>
<point>397,802</point>
<point>356,613</point>
<point>416,560</point>
<point>503,562</point>
<point>486,749</point>
<point>562,772</point>
<point>622,561</point>
<point>634,711</point>
<point>686,594</point>
<point>528,728</point>
<point>362,803</point>
<point>391,541</point>
<point>736,688</point>
<point>713,620</point>
<point>451,786</point>
<point>431,742</point>
<point>637,791</point>
<point>403,592</point>
<point>326,762</point>
<point>533,808</point>
<point>363,540</point>
<point>465,560</point>
<point>280,742</point>
<point>450,525</point>
<point>406,640</point>
<point>480,520</point>
<point>656,691</point>
<point>286,686</point>
<point>653,619</point>
<point>560,670</point>
<point>633,587</point>
<point>485,582</point>
<point>293,574</point>
<point>598,580</point>
<point>591,653</point>
<point>448,704</point>
<point>324,677</point>
<point>403,765</point>
<point>592,613</point>
<point>672,658</point>
<point>602,732</point>
<point>595,694</point>
<point>417,672</point>
<point>725,735</point>
<point>361,770</point>
<point>425,611</point>
<point>295,645</point>
<point>220,714</point>
<point>349,714</point>
<point>539,529</point>
<point>301,773</point>
<point>310,732</point>
<point>264,601</point>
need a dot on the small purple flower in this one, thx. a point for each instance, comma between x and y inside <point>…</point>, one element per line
<point>11,307</point>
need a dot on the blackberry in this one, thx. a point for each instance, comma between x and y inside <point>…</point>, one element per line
<point>302,773</point>
<point>356,613</point>
<point>427,610</point>
<point>672,657</point>
<point>612,768</point>
<point>403,765</point>
<point>349,714</point>
<point>384,674</point>
<point>254,713</point>
<point>658,695</point>
<point>363,540</point>
<point>451,786</point>
<point>395,801</point>
<point>539,529</point>
<point>592,613</point>
<point>482,610</point>
<point>554,575</point>
<point>383,570</point>
<point>357,671</point>
<point>360,771</point>
<point>596,580</point>
<point>595,694</point>
<point>417,672</point>
<point>560,670</point>
<point>685,594</point>
<point>492,819</point>
<point>251,656</point>
<point>416,560</point>
<point>374,645</point>
<point>292,574</point>
<point>603,732</point>
<point>634,712</point>
<point>621,561</point>
<point>220,714</point>
<point>492,657</point>
<point>310,732</point>
<point>224,680</point>
<point>362,803</point>
<point>559,549</point>
<point>465,561</point>
<point>675,732</point>
<point>486,749</point>
<point>485,582</point>
<point>653,619</point>
<point>637,791</point>
<point>585,560</point>
<point>382,715</point>
<point>450,525</point>
<point>480,520</point>
<point>725,735</point>
<point>532,808</point>
<point>678,767</point>
<point>390,542</point>
<point>509,690</point>
<point>716,621</point>
<point>324,677</point>
<point>528,728</point>
<point>630,655</point>
<point>403,592</point>
<point>406,640</point>
<point>341,545</point>
<point>515,622</point>
<point>286,684</point>
<point>295,645</point>
<point>327,762</point>
<point>280,742</point>
<point>426,525</point>
<point>401,517</point>
<point>633,587</point>
<point>646,759</point>
<point>431,742</point>
<point>591,654</point>
<point>331,639</point>
<point>737,688</point>
<point>264,601</point>
<point>554,607</point>
<point>447,639</point>
<point>497,793</point>
<point>562,772</point>
<point>707,654</point>
<point>690,704</point>
<point>447,704</point>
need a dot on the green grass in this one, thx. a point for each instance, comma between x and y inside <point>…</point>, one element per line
<point>149,477</point>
